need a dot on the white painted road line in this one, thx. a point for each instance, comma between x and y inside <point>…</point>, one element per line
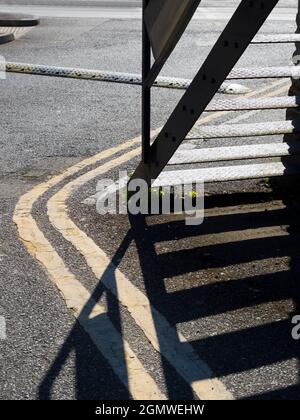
<point>274,93</point>
<point>282,86</point>
<point>203,13</point>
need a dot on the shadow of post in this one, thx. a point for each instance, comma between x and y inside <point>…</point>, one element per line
<point>242,350</point>
<point>95,379</point>
<point>250,348</point>
<point>291,185</point>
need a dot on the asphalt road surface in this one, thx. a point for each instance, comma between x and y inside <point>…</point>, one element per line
<point>222,294</point>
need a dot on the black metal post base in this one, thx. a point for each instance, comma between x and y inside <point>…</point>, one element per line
<point>17,20</point>
<point>4,38</point>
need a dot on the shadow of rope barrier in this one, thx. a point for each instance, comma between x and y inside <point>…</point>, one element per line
<point>16,24</point>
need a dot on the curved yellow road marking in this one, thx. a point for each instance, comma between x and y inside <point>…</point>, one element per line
<point>139,307</point>
<point>75,295</point>
<point>183,358</point>
<point>91,315</point>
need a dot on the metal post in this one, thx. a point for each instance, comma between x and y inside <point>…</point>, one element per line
<point>236,37</point>
<point>146,91</point>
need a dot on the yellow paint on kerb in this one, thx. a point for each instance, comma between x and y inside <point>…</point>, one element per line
<point>183,358</point>
<point>91,315</point>
<point>77,297</point>
<point>137,304</point>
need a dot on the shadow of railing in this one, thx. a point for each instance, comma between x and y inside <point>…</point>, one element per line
<point>95,378</point>
<point>250,347</point>
<point>188,252</point>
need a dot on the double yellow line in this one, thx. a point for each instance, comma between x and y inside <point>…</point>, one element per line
<point>93,316</point>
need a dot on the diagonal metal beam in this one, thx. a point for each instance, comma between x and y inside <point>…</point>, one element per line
<point>238,34</point>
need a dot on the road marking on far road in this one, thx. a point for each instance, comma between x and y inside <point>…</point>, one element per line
<point>91,315</point>
<point>283,86</point>
<point>203,13</point>
<point>249,114</point>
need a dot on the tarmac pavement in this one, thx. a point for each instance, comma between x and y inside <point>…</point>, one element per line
<point>221,294</point>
